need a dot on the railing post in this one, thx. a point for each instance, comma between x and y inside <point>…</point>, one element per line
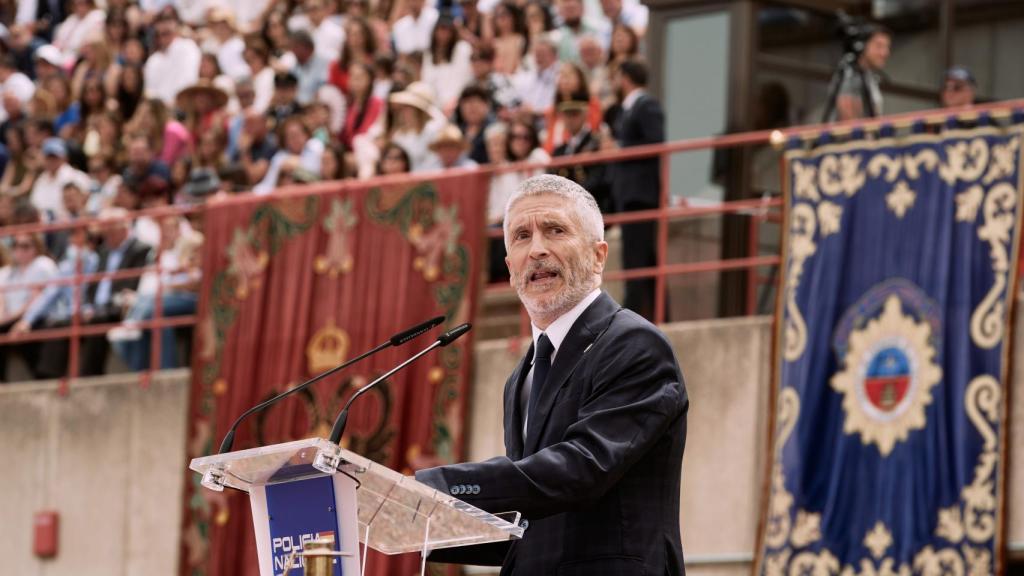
<point>660,283</point>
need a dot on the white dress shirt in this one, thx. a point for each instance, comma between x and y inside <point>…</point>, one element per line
<point>556,333</point>
<point>168,72</point>
<point>413,34</point>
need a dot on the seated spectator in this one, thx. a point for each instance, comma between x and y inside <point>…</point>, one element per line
<point>29,263</point>
<point>179,285</point>
<point>104,301</point>
<point>629,13</point>
<point>48,62</point>
<point>55,304</point>
<point>499,88</point>
<point>284,104</point>
<point>142,163</point>
<point>48,191</point>
<point>537,88</point>
<point>359,48</point>
<point>256,147</point>
<point>333,164</point>
<point>411,33</point>
<point>393,160</point>
<point>574,26</point>
<point>508,38</point>
<point>66,122</point>
<point>470,24</point>
<point>163,132</point>
<point>174,64</point>
<point>203,105</point>
<point>328,36</point>
<point>472,117</point>
<point>105,181</point>
<point>13,109</point>
<point>257,57</point>
<point>625,45</point>
<point>958,88</point>
<point>595,66</point>
<point>449,151</point>
<point>23,164</point>
<point>84,21</point>
<point>416,121</point>
<point>224,42</point>
<point>125,99</point>
<point>96,63</point>
<point>446,65</point>
<point>297,143</point>
<point>570,86</point>
<point>103,136</point>
<point>580,139</point>
<point>310,69</point>
<point>362,109</point>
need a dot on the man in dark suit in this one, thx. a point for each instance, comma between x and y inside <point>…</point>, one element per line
<point>595,414</point>
<point>103,300</point>
<point>580,141</point>
<point>636,184</point>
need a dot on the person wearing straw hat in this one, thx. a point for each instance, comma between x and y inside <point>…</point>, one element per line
<point>449,150</point>
<point>417,122</point>
<point>203,104</point>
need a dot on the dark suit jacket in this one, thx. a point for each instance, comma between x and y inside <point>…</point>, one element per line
<point>597,480</point>
<point>136,255</point>
<point>591,176</point>
<point>636,184</point>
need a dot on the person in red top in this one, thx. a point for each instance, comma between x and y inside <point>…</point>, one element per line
<point>360,46</point>
<point>363,107</point>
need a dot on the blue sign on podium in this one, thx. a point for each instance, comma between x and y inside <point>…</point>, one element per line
<point>300,512</point>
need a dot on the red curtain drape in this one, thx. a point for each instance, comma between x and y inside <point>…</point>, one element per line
<point>295,286</point>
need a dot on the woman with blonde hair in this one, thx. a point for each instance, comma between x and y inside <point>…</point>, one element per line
<point>165,134</point>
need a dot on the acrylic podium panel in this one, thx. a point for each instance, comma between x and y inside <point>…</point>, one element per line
<point>395,513</point>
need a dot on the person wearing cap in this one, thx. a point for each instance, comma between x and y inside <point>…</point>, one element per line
<point>958,88</point>
<point>449,151</point>
<point>48,62</point>
<point>580,139</point>
<point>417,121</point>
<point>225,42</point>
<point>48,191</point>
<point>13,82</point>
<point>174,64</point>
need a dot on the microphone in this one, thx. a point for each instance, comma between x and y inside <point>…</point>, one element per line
<point>396,340</point>
<point>442,340</point>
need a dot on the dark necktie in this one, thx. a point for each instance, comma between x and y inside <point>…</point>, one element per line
<point>541,367</point>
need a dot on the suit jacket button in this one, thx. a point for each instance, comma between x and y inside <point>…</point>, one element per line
<point>524,523</point>
<point>454,490</point>
<point>476,488</point>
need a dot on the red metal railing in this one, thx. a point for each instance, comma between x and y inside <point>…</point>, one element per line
<point>759,210</point>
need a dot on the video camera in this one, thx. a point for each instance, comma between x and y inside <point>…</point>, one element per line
<point>854,32</point>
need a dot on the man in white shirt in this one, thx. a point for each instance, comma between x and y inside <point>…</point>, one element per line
<point>14,83</point>
<point>537,87</point>
<point>225,42</point>
<point>412,31</point>
<point>629,13</point>
<point>47,194</point>
<point>174,65</point>
<point>328,35</point>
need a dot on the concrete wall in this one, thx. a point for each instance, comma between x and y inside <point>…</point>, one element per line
<point>110,457</point>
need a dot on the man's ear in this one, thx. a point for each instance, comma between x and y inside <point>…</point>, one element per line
<point>600,256</point>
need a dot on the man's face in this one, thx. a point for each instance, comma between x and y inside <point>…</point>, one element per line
<point>449,154</point>
<point>114,233</point>
<point>74,199</point>
<point>474,110</point>
<point>574,120</point>
<point>552,264</point>
<point>571,11</point>
<point>482,67</point>
<point>52,163</point>
<point>165,31</point>
<point>876,51</point>
<point>138,154</point>
<point>545,55</point>
<point>301,50</point>
<point>956,93</point>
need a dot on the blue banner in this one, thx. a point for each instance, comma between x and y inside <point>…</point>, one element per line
<point>301,511</point>
<point>900,257</point>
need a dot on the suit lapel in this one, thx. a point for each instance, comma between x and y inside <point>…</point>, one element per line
<point>582,334</point>
<point>513,413</point>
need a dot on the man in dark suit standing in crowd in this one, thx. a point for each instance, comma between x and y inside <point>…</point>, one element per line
<point>636,184</point>
<point>594,415</point>
<point>581,139</point>
<point>104,300</point>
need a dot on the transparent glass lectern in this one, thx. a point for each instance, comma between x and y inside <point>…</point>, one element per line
<point>296,498</point>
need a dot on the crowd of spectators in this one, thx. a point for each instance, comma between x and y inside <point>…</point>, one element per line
<point>110,106</point>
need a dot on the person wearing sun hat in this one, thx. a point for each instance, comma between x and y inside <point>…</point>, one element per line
<point>449,150</point>
<point>203,104</point>
<point>417,121</point>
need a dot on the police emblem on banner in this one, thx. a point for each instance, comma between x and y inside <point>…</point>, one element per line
<point>888,365</point>
<point>893,331</point>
